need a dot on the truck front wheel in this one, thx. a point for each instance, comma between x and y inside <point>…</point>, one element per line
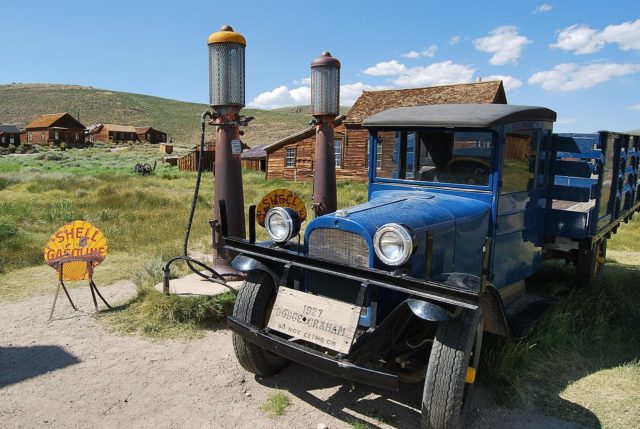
<point>455,356</point>
<point>253,305</point>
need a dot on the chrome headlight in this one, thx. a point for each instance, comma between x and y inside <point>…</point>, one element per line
<point>282,224</point>
<point>393,244</point>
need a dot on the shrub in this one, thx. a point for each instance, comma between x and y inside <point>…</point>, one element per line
<point>11,148</point>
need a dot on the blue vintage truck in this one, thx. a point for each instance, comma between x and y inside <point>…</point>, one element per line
<point>465,203</point>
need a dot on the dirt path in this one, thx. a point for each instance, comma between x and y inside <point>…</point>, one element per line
<point>72,373</point>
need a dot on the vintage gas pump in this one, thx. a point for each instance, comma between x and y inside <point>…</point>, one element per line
<point>325,106</point>
<point>226,97</point>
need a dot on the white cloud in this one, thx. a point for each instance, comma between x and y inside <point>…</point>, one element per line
<point>351,91</point>
<point>455,40</point>
<point>579,38</point>
<point>509,82</point>
<point>504,43</point>
<point>626,35</point>
<point>542,8</point>
<point>582,39</point>
<point>281,97</point>
<point>435,74</point>
<point>429,52</point>
<point>303,81</point>
<point>386,68</point>
<point>635,106</point>
<point>571,77</point>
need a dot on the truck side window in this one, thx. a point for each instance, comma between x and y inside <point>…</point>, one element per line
<point>519,167</point>
<point>450,157</point>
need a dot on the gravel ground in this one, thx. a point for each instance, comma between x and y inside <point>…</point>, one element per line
<point>71,372</point>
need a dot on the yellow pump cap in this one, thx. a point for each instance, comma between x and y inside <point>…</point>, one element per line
<point>226,35</point>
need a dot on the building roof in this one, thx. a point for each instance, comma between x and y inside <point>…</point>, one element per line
<point>45,121</point>
<point>634,132</point>
<point>9,129</point>
<point>372,102</point>
<point>256,152</point>
<point>458,115</point>
<point>308,132</point>
<point>120,128</point>
<point>144,130</point>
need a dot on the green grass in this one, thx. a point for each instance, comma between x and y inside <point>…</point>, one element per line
<point>591,337</point>
<point>276,404</point>
<point>359,424</point>
<point>21,103</point>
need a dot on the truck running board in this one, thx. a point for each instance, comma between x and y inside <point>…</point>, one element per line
<point>524,312</point>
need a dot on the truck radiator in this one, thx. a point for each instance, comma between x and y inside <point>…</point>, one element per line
<point>339,246</point>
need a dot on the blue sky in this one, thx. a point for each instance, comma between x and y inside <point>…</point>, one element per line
<point>581,59</point>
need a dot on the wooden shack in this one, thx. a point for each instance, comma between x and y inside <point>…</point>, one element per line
<point>189,162</point>
<point>151,135</point>
<point>292,158</point>
<point>9,134</point>
<point>55,128</point>
<point>112,133</point>
<point>255,158</point>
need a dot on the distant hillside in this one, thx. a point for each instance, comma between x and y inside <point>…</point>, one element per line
<point>634,132</point>
<point>20,103</point>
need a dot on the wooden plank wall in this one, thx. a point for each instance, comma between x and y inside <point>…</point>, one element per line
<point>354,157</point>
<point>190,162</point>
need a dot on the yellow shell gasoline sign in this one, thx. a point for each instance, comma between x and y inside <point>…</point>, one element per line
<point>280,198</point>
<point>79,246</point>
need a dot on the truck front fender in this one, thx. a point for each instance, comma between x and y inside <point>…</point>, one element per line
<point>246,264</point>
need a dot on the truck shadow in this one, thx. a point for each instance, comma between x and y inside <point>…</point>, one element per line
<point>22,363</point>
<point>522,384</point>
<point>397,409</point>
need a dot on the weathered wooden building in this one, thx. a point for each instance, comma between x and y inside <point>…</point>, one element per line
<point>255,158</point>
<point>151,135</point>
<point>9,134</point>
<point>292,158</point>
<point>55,128</point>
<point>189,162</point>
<point>112,133</point>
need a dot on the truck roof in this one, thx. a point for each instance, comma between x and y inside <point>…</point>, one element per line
<point>458,115</point>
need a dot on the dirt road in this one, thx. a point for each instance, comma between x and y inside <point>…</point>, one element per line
<point>71,372</point>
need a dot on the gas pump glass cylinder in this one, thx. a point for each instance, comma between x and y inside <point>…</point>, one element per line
<point>226,68</point>
<point>325,86</point>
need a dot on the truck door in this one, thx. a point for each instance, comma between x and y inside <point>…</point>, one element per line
<point>521,201</point>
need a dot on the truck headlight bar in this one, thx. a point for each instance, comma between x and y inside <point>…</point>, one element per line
<point>282,224</point>
<point>393,244</point>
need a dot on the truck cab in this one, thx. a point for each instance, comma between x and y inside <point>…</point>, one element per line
<point>465,202</point>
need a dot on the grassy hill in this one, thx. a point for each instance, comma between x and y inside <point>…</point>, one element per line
<point>20,103</point>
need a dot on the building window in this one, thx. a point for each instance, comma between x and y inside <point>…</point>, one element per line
<point>12,139</point>
<point>30,136</point>
<point>337,151</point>
<point>2,139</point>
<point>56,135</point>
<point>77,136</point>
<point>290,158</point>
<point>42,136</point>
<point>379,157</point>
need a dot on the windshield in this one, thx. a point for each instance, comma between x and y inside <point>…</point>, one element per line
<point>451,157</point>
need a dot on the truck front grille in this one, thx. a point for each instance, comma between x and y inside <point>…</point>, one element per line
<point>339,246</point>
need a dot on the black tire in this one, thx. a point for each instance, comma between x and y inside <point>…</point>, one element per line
<point>253,305</point>
<point>589,264</point>
<point>447,397</point>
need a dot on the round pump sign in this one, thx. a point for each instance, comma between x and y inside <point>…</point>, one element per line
<point>78,246</point>
<point>280,198</point>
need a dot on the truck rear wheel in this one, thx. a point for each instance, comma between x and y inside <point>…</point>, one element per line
<point>253,305</point>
<point>589,263</point>
<point>448,385</point>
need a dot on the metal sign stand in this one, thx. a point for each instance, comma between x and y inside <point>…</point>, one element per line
<point>92,286</point>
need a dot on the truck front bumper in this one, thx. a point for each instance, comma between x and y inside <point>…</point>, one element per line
<point>313,358</point>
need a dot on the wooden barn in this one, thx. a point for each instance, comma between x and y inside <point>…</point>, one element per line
<point>9,134</point>
<point>113,133</point>
<point>255,158</point>
<point>55,128</point>
<point>151,135</point>
<point>292,158</point>
<point>189,162</point>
